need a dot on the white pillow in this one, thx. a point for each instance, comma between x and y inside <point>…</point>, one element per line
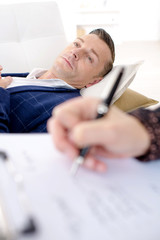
<point>102,88</point>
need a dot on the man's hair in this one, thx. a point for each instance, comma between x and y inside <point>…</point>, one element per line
<point>103,35</point>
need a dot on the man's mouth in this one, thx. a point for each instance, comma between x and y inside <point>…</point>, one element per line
<point>68,62</point>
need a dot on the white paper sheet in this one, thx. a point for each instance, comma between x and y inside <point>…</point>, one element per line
<point>122,204</point>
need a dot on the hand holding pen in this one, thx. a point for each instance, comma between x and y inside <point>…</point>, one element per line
<point>102,110</point>
<point>74,125</point>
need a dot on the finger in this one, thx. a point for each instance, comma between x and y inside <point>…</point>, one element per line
<point>5,82</point>
<point>60,138</point>
<point>91,133</point>
<point>67,118</point>
<point>74,111</point>
<point>105,153</point>
<point>94,164</point>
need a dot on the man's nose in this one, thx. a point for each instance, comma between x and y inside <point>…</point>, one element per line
<point>77,53</point>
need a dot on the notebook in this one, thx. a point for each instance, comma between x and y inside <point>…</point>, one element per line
<point>40,200</point>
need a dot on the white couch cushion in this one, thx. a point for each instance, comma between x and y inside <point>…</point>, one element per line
<point>32,35</point>
<point>103,88</point>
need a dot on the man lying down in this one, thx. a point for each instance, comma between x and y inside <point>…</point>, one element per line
<point>26,104</point>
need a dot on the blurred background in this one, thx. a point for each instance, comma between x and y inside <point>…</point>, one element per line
<point>133,25</point>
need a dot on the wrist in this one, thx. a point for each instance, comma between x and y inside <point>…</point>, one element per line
<point>151,124</point>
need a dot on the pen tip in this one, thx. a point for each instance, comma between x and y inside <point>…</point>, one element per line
<point>77,162</point>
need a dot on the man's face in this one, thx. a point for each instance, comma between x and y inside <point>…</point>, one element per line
<point>81,62</point>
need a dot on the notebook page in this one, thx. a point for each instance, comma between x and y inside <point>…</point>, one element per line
<point>122,204</point>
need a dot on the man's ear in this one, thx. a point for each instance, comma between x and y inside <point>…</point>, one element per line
<point>96,81</point>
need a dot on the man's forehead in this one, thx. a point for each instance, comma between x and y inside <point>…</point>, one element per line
<point>88,37</point>
<point>94,41</point>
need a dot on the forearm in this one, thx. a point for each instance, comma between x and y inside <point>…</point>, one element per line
<point>151,120</point>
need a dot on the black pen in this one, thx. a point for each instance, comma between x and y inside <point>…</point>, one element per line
<point>102,109</point>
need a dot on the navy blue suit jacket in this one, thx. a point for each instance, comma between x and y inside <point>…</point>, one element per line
<point>26,109</point>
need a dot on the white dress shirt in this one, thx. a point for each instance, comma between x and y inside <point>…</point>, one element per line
<point>32,79</point>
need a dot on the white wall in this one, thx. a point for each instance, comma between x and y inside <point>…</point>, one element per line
<point>140,19</point>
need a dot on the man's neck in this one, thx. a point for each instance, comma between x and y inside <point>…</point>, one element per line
<point>48,75</point>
